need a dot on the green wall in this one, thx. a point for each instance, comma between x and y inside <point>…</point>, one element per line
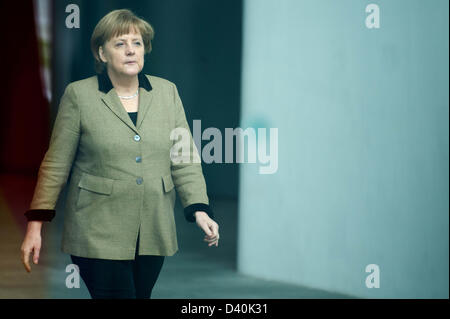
<point>362,118</point>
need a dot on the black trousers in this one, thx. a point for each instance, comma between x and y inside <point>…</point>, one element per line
<point>124,279</point>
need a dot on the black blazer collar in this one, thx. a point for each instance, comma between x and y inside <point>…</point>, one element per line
<point>105,84</point>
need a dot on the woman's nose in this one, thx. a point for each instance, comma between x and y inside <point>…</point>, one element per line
<point>129,50</point>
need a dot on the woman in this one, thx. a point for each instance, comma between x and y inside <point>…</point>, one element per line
<point>113,142</point>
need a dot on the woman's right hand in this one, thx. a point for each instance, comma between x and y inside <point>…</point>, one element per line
<point>31,243</point>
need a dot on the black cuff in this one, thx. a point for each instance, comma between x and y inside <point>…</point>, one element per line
<point>191,209</point>
<point>40,214</point>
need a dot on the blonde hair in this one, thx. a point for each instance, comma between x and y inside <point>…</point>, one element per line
<point>116,23</point>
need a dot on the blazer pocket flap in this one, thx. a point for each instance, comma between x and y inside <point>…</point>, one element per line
<point>96,184</point>
<point>168,182</point>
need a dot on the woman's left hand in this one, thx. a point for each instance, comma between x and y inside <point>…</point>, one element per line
<point>209,226</point>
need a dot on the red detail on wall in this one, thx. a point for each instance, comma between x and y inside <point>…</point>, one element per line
<point>24,110</point>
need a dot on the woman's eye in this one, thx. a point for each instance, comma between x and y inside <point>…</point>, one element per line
<point>119,44</point>
<point>138,43</point>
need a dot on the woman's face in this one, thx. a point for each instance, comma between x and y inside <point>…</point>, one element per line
<point>124,54</point>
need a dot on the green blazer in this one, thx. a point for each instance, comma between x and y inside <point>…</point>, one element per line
<point>121,179</point>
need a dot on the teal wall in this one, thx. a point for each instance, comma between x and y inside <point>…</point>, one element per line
<point>362,118</point>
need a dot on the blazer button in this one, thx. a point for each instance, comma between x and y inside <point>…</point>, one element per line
<point>137,138</point>
<point>139,180</point>
<point>138,159</point>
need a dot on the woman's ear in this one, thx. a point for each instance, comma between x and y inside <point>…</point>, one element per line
<point>101,54</point>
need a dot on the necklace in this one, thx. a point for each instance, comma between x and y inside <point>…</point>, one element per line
<point>129,97</point>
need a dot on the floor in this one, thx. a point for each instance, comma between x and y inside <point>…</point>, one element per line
<point>195,271</point>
